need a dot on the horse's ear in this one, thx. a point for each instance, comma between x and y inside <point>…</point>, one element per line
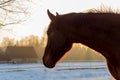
<point>57,14</point>
<point>51,16</point>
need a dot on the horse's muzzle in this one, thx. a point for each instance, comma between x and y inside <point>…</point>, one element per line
<point>47,63</point>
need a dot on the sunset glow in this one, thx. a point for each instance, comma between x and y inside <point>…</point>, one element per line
<point>38,20</point>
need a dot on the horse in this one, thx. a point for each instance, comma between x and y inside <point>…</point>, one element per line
<point>99,31</point>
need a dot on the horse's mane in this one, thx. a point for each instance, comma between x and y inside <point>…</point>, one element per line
<point>103,9</point>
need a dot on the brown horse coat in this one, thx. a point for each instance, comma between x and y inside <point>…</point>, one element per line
<point>99,31</point>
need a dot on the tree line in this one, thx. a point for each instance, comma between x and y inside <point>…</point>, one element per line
<point>77,53</point>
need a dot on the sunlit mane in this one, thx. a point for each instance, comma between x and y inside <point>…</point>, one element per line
<point>103,9</point>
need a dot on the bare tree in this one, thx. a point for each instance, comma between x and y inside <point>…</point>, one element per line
<point>13,11</point>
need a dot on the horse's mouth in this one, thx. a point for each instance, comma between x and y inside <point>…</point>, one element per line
<point>48,63</point>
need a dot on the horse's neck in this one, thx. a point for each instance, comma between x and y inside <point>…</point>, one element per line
<point>95,35</point>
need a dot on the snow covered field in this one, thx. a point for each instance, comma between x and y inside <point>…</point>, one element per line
<point>63,71</point>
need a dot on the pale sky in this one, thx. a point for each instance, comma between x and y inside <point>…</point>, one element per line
<point>38,19</point>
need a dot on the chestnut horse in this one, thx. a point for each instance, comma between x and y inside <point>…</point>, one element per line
<point>99,31</point>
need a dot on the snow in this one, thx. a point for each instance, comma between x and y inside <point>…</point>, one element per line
<point>63,71</point>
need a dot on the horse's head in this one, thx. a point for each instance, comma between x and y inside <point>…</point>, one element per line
<point>57,44</point>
